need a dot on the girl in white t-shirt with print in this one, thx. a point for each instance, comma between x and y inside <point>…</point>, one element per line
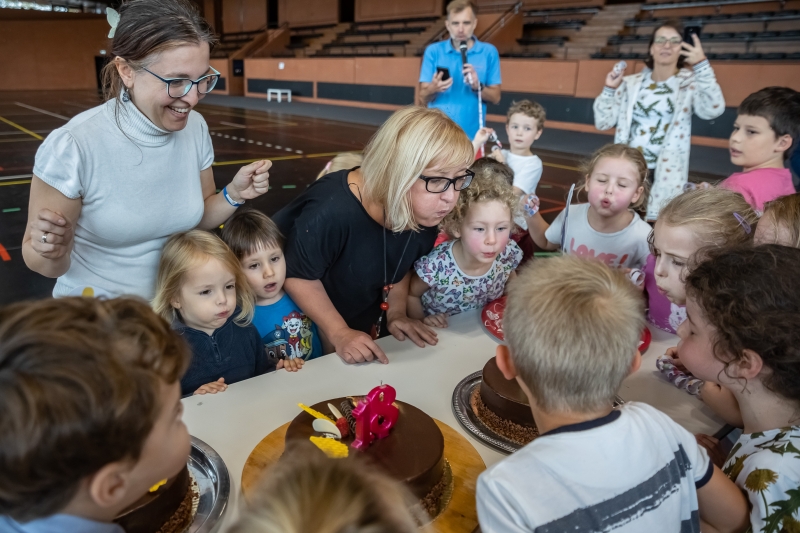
<point>471,270</point>
<point>606,228</point>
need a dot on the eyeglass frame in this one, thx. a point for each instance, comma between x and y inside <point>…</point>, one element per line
<point>450,181</point>
<point>193,82</point>
<point>674,41</point>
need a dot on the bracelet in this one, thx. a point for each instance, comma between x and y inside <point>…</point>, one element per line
<point>229,199</point>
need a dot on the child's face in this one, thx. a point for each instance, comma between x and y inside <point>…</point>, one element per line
<point>613,186</point>
<point>266,271</point>
<point>753,142</point>
<point>673,245</point>
<point>485,231</point>
<point>208,296</point>
<point>768,232</point>
<point>166,449</point>
<point>522,131</point>
<point>696,348</point>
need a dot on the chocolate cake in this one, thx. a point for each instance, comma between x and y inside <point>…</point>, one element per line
<point>413,453</point>
<point>168,509</point>
<point>502,406</point>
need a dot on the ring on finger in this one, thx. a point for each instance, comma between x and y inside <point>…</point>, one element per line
<point>44,237</point>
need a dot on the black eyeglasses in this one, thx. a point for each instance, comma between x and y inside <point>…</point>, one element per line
<point>180,87</point>
<point>439,184</point>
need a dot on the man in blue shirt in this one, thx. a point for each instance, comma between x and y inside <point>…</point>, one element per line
<point>458,95</point>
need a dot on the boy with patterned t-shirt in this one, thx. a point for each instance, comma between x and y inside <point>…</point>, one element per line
<point>258,244</point>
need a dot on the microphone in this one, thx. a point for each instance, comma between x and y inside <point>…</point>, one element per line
<point>463,48</point>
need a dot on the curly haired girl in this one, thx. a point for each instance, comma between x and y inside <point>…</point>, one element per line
<point>471,270</point>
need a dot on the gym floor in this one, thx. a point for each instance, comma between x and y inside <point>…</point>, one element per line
<point>299,146</point>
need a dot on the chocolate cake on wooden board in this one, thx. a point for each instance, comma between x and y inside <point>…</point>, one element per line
<point>502,406</point>
<point>169,509</point>
<point>413,453</point>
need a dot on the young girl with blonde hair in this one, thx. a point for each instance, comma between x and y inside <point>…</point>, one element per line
<point>606,228</point>
<point>471,270</point>
<point>307,492</point>
<point>695,220</point>
<point>203,292</point>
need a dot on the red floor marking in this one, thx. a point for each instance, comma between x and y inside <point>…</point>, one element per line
<point>3,254</point>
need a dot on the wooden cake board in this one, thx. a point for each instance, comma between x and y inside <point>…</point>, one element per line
<point>460,516</point>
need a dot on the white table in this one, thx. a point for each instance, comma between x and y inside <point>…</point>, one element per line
<point>235,421</point>
<point>278,93</point>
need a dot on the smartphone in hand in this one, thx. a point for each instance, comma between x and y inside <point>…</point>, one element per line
<point>445,73</point>
<point>689,31</point>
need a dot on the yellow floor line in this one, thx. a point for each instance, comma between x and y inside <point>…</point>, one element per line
<point>20,182</point>
<point>20,128</point>
<point>565,167</point>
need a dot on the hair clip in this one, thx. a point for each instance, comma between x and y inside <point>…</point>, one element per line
<point>113,19</point>
<point>743,223</point>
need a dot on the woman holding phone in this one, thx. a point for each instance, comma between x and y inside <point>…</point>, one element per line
<point>652,110</point>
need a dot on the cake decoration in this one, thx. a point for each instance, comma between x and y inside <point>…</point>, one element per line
<point>347,410</point>
<point>326,427</point>
<point>158,485</point>
<point>375,416</point>
<point>341,422</point>
<point>332,448</point>
<point>312,412</point>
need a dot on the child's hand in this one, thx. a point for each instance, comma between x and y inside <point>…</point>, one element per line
<point>291,365</point>
<point>439,320</point>
<point>636,276</point>
<point>673,352</point>
<point>482,136</point>
<point>529,204</point>
<point>497,155</point>
<point>712,446</point>
<point>213,387</point>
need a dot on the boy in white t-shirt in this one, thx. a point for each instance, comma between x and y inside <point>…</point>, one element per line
<point>572,329</point>
<point>524,126</point>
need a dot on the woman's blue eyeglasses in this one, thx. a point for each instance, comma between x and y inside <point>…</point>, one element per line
<point>180,87</point>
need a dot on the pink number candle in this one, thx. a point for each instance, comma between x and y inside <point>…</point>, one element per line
<point>375,416</point>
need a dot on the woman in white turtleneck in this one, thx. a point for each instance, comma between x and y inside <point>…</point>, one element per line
<point>112,184</point>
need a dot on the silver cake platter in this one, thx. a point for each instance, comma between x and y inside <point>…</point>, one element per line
<point>214,483</point>
<point>467,418</point>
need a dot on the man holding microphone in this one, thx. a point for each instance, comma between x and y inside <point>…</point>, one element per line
<point>472,71</point>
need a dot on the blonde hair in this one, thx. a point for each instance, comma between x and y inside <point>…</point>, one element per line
<point>457,6</point>
<point>785,212</point>
<point>529,109</point>
<point>572,327</point>
<point>413,139</point>
<point>343,161</point>
<point>712,215</point>
<point>306,492</point>
<point>186,250</point>
<point>491,183</point>
<point>620,151</point>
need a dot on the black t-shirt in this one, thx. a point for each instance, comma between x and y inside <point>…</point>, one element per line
<point>332,238</point>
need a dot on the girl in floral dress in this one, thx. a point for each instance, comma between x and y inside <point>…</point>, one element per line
<point>471,270</point>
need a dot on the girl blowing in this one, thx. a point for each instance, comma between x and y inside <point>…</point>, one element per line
<point>606,228</point>
<point>203,292</point>
<point>743,307</point>
<point>471,270</point>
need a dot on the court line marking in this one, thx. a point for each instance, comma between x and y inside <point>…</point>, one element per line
<point>12,209</point>
<point>17,177</point>
<point>43,111</point>
<point>21,182</point>
<point>20,128</point>
<point>565,167</point>
<point>279,158</point>
<point>4,254</point>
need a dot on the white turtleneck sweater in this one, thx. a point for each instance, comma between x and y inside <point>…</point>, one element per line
<point>138,184</point>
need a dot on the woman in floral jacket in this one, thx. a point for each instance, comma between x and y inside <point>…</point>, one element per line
<point>652,110</point>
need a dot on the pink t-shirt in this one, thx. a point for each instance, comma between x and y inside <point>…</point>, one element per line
<point>761,185</point>
<point>662,313</point>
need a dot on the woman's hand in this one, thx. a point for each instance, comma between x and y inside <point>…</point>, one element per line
<point>420,334</point>
<point>251,181</point>
<point>693,55</point>
<point>439,320</point>
<point>213,387</point>
<point>614,79</point>
<point>291,365</point>
<point>59,234</point>
<point>357,347</point>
